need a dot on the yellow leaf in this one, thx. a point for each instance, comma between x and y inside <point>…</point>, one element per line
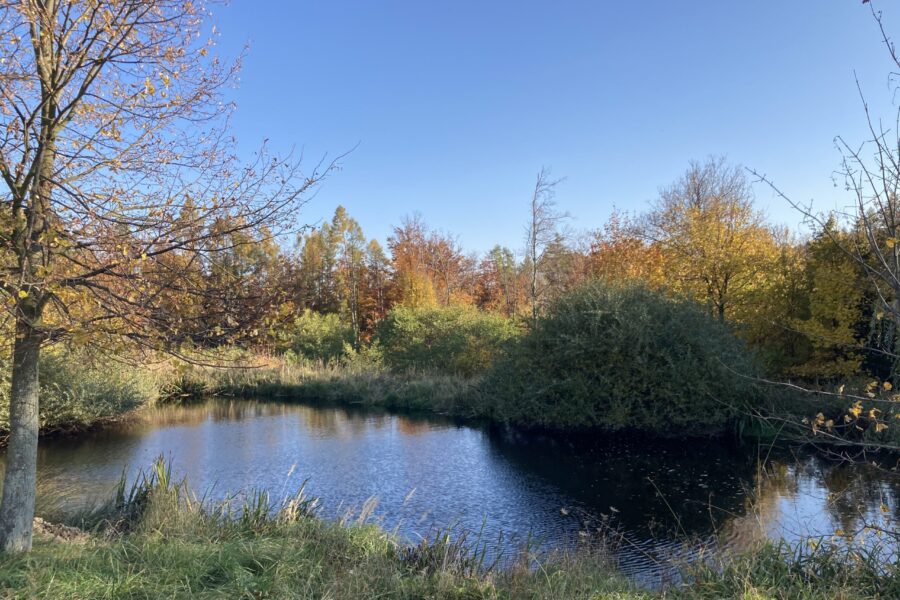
<point>887,386</point>
<point>23,294</point>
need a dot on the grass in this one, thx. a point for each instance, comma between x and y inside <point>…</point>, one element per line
<point>155,540</point>
<point>784,572</point>
<point>79,391</point>
<point>275,378</point>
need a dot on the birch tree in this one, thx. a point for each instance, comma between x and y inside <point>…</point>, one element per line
<point>542,234</point>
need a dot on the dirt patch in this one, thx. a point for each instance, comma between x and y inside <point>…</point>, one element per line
<point>60,532</point>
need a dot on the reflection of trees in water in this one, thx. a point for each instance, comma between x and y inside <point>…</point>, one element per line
<point>332,421</point>
<point>856,493</point>
<point>693,488</point>
<point>771,483</point>
<point>696,488</point>
<point>688,487</point>
<point>211,410</point>
<point>835,495</point>
<point>413,427</point>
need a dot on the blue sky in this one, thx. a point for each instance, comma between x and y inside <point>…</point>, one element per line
<point>457,105</point>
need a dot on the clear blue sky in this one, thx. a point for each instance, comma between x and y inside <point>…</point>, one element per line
<point>457,105</point>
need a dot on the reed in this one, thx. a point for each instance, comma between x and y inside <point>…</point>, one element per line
<point>157,540</point>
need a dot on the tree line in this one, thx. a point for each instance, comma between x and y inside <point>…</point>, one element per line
<point>804,304</point>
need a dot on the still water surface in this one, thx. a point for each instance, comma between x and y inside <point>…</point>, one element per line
<point>429,473</point>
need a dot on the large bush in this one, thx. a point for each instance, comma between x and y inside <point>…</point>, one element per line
<point>624,357</point>
<point>79,390</point>
<point>458,340</point>
<point>318,337</point>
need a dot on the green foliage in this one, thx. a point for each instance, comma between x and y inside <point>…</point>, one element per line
<point>454,339</point>
<point>79,390</point>
<point>624,357</point>
<point>319,337</point>
<point>816,570</point>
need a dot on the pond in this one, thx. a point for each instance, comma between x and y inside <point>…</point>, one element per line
<point>430,472</point>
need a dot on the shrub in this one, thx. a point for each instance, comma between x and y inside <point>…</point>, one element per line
<point>623,357</point>
<point>78,390</point>
<point>456,340</point>
<point>319,337</point>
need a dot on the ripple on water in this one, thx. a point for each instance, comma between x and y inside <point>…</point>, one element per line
<point>429,473</point>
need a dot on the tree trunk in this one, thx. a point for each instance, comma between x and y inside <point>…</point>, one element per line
<point>17,504</point>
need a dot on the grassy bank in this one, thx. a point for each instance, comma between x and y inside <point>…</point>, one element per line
<point>80,390</point>
<point>273,377</point>
<point>604,358</point>
<point>155,541</point>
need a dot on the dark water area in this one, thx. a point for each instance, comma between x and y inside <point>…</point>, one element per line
<point>427,473</point>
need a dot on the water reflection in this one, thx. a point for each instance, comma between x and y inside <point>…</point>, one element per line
<point>428,472</point>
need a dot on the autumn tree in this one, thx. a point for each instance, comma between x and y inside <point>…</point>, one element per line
<point>450,269</point>
<point>408,247</point>
<point>566,265</point>
<point>240,287</point>
<point>618,252</point>
<point>350,253</point>
<point>110,127</point>
<point>315,282</point>
<point>332,274</point>
<point>499,284</point>
<point>716,245</point>
<point>770,327</point>
<point>836,294</point>
<point>377,292</point>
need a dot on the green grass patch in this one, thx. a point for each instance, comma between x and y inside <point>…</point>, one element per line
<point>80,390</point>
<point>155,540</point>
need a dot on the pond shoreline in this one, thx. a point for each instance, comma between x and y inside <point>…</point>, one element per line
<point>159,541</point>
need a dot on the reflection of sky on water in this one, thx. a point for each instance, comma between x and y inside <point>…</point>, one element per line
<point>428,473</point>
